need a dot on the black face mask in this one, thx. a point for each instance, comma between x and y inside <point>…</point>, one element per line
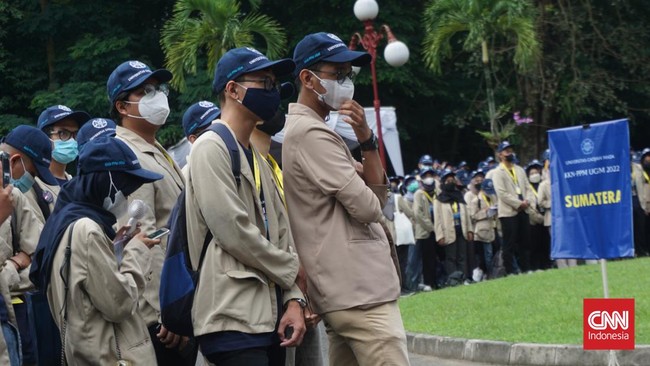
<point>510,158</point>
<point>274,125</point>
<point>477,186</point>
<point>263,103</point>
<point>449,187</point>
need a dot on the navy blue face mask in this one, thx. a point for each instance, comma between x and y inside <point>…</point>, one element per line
<point>263,103</point>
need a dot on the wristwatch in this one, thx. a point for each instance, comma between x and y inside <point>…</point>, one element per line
<point>301,302</point>
<point>370,144</point>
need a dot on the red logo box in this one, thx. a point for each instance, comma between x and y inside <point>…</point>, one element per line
<point>608,324</point>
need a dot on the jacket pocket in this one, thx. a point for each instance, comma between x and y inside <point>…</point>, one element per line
<point>242,275</point>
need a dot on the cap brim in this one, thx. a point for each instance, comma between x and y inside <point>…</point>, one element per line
<point>162,75</point>
<point>146,175</point>
<point>280,68</point>
<point>80,116</point>
<point>45,175</point>
<point>355,57</point>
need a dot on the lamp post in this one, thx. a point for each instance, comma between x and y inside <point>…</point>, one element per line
<point>396,54</point>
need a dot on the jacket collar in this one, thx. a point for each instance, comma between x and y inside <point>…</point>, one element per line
<point>302,110</point>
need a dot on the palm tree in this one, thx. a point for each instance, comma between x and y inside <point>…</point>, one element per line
<point>480,22</point>
<point>212,27</point>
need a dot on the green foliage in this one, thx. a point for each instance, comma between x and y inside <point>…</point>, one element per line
<point>88,96</point>
<point>9,121</point>
<point>543,307</point>
<point>210,28</point>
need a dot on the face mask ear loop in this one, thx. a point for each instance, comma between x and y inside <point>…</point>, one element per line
<point>111,186</point>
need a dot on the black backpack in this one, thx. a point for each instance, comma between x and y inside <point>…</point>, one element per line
<point>178,279</point>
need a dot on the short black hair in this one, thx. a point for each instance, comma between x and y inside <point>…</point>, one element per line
<point>113,112</point>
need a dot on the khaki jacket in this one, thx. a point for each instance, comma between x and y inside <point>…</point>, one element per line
<point>102,300</point>
<point>444,222</point>
<point>160,196</point>
<point>421,206</point>
<point>236,287</point>
<point>642,187</point>
<point>545,200</point>
<point>50,191</point>
<point>29,230</point>
<point>505,188</point>
<point>335,218</point>
<point>483,225</point>
<point>534,217</point>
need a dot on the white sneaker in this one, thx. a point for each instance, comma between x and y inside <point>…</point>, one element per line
<point>424,288</point>
<point>477,274</point>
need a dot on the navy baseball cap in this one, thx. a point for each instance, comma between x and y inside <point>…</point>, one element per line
<point>504,145</point>
<point>446,173</point>
<point>428,171</point>
<point>56,113</point>
<point>426,159</point>
<point>488,186</point>
<point>37,146</point>
<point>199,115</point>
<point>317,47</point>
<point>94,128</point>
<point>239,61</point>
<point>110,154</point>
<point>478,171</point>
<point>644,152</point>
<point>131,74</point>
<point>533,164</point>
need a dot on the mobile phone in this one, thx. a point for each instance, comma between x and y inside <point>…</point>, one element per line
<point>158,233</point>
<point>6,173</point>
<point>288,332</point>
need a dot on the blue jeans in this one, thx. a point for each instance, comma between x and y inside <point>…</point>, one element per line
<point>12,339</point>
<point>414,267</point>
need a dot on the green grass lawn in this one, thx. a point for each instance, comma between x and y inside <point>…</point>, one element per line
<point>543,307</point>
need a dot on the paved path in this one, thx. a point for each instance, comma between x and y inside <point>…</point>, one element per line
<point>419,360</point>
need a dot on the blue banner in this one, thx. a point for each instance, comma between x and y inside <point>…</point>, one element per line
<point>591,191</point>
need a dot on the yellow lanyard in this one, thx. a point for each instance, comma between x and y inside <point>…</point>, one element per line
<point>277,175</point>
<point>169,158</point>
<point>645,175</point>
<point>513,176</point>
<point>454,207</point>
<point>487,199</point>
<point>429,197</point>
<point>534,190</point>
<point>256,172</point>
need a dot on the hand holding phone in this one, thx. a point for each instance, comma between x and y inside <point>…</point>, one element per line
<point>158,233</point>
<point>6,172</point>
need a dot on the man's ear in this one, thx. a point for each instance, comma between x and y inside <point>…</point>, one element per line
<point>231,90</point>
<point>306,78</point>
<point>120,107</point>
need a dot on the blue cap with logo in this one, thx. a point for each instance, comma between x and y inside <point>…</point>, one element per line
<point>426,159</point>
<point>504,145</point>
<point>95,127</point>
<point>428,170</point>
<point>478,172</point>
<point>110,154</point>
<point>56,113</point>
<point>446,173</point>
<point>130,75</point>
<point>317,47</point>
<point>534,164</point>
<point>35,144</point>
<point>488,186</point>
<point>199,115</point>
<point>244,60</point>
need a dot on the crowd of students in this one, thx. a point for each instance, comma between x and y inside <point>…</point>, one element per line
<point>277,250</point>
<point>472,225</point>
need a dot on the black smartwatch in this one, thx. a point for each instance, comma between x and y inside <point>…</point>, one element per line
<point>370,144</point>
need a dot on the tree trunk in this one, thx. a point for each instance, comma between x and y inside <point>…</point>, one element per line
<point>49,51</point>
<point>492,113</point>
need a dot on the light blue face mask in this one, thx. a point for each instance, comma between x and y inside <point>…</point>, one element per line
<point>65,151</point>
<point>24,183</point>
<point>413,186</point>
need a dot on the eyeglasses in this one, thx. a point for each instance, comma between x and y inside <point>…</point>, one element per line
<point>151,88</point>
<point>340,75</point>
<point>64,135</point>
<point>269,84</point>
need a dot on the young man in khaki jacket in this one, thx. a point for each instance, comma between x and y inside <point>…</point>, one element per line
<point>248,274</point>
<point>483,211</point>
<point>335,211</point>
<point>511,185</point>
<point>139,106</point>
<point>424,229</point>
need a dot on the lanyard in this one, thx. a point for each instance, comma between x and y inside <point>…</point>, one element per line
<point>487,199</point>
<point>534,190</point>
<point>277,175</point>
<point>429,197</point>
<point>166,155</point>
<point>454,207</point>
<point>645,175</point>
<point>256,172</point>
<point>513,176</point>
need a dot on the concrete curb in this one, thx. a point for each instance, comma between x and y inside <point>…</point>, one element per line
<point>529,354</point>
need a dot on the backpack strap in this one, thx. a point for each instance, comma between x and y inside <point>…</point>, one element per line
<point>15,240</point>
<point>233,149</point>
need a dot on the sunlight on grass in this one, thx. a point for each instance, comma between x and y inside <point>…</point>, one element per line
<point>543,307</point>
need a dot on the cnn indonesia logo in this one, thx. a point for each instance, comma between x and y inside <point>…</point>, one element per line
<point>608,324</point>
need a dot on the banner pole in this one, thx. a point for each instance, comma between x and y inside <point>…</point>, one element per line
<point>603,270</point>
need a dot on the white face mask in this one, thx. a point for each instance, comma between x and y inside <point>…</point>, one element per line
<point>335,93</point>
<point>535,178</point>
<point>119,206</point>
<point>428,181</point>
<point>153,108</point>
